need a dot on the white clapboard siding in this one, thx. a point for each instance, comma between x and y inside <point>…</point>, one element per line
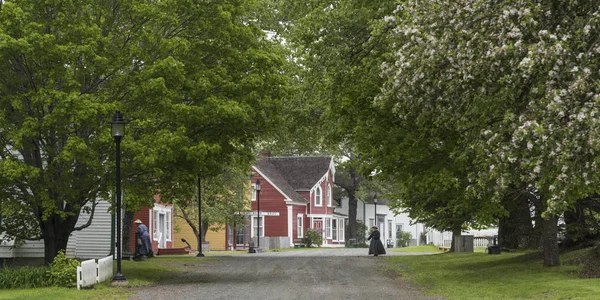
<point>31,249</point>
<point>6,249</point>
<point>94,240</point>
<point>86,273</point>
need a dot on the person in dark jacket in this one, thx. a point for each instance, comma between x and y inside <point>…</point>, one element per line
<point>376,246</point>
<point>144,244</point>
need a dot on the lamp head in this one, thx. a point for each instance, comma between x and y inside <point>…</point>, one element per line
<point>257,186</point>
<point>118,125</point>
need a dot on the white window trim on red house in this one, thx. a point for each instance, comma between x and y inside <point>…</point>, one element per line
<point>156,212</point>
<point>329,195</point>
<point>318,197</point>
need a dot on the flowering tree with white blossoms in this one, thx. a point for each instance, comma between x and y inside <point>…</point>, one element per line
<point>516,85</point>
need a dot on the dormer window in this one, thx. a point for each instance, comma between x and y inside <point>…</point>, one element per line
<point>318,197</point>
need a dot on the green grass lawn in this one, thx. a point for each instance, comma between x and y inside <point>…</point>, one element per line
<point>144,273</point>
<point>452,275</point>
<point>504,276</point>
<point>427,248</point>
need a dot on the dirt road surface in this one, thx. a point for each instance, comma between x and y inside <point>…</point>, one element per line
<point>309,274</point>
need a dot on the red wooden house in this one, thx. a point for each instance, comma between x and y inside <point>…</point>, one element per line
<point>159,220</point>
<point>296,195</point>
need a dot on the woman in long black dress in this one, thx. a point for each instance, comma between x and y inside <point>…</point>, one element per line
<point>376,246</point>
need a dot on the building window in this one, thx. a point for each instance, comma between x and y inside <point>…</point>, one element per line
<point>334,230</point>
<point>253,192</point>
<point>399,227</point>
<point>328,227</point>
<point>318,197</point>
<point>161,224</point>
<point>341,236</point>
<point>300,227</point>
<point>257,226</point>
<point>328,195</point>
<point>371,223</point>
<point>389,229</point>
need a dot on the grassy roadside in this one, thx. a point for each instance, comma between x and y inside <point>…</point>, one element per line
<point>427,248</point>
<point>144,273</point>
<point>504,276</point>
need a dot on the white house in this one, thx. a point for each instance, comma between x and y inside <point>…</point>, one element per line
<point>388,222</point>
<point>91,242</point>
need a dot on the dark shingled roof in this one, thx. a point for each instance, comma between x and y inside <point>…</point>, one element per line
<point>294,173</point>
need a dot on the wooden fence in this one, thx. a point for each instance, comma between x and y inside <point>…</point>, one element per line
<point>90,272</point>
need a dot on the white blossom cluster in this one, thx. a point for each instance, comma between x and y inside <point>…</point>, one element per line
<point>520,80</point>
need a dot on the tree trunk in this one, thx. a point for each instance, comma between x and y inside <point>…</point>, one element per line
<point>456,230</point>
<point>127,226</point>
<point>516,231</point>
<point>352,208</point>
<point>56,232</point>
<point>550,242</point>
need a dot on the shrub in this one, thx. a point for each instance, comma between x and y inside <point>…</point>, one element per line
<point>403,238</point>
<point>23,278</point>
<point>313,237</point>
<point>63,271</point>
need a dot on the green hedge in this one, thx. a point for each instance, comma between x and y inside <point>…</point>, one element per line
<point>23,278</point>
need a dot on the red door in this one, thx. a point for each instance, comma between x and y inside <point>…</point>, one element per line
<point>318,225</point>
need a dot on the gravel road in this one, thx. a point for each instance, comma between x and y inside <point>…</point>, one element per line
<point>309,274</point>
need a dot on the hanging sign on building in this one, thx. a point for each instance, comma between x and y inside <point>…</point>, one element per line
<point>262,213</point>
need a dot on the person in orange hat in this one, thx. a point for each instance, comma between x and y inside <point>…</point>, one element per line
<point>143,240</point>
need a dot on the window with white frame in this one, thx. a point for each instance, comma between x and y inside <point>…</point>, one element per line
<point>300,226</point>
<point>257,226</point>
<point>371,223</point>
<point>253,192</point>
<point>328,195</point>
<point>399,227</point>
<point>389,229</point>
<point>341,236</point>
<point>334,229</point>
<point>161,224</point>
<point>318,197</point>
<point>328,227</point>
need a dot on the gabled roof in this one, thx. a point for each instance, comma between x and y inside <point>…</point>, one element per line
<point>294,173</point>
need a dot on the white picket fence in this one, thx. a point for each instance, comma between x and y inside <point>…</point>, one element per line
<point>478,242</point>
<point>91,272</point>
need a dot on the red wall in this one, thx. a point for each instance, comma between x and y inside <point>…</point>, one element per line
<point>271,201</point>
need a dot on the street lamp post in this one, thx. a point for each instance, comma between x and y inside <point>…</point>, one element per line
<point>200,254</point>
<point>258,221</point>
<point>118,131</point>
<point>375,202</point>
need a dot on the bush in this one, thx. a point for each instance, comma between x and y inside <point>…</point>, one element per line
<point>63,271</point>
<point>313,237</point>
<point>23,278</point>
<point>403,239</point>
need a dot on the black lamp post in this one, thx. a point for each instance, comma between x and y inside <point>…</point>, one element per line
<point>258,208</point>
<point>200,254</point>
<point>375,201</point>
<point>118,131</point>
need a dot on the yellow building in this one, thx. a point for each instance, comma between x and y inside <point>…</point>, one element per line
<point>218,239</point>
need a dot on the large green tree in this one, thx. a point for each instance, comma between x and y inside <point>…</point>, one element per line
<point>198,82</point>
<point>512,85</point>
<point>338,61</point>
